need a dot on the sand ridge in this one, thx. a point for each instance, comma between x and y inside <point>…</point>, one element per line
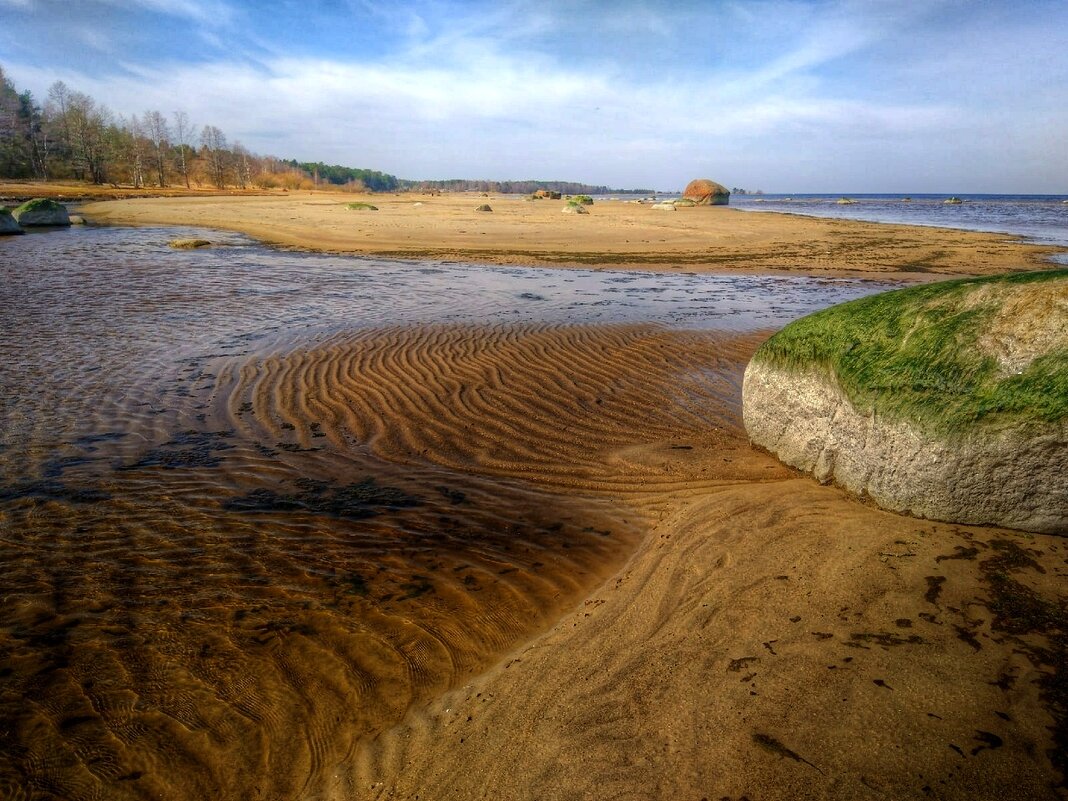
<point>616,234</point>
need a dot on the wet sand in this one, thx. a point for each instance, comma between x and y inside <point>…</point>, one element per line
<point>614,234</point>
<point>678,615</point>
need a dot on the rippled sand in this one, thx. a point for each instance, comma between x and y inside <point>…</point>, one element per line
<point>260,542</point>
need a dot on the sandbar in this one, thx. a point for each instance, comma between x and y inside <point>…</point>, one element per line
<point>615,234</point>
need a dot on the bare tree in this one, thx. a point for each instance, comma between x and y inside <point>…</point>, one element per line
<point>131,148</point>
<point>183,132</point>
<point>88,125</point>
<point>242,165</point>
<point>213,142</point>
<point>159,134</point>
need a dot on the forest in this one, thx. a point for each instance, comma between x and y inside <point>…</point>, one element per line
<point>70,136</point>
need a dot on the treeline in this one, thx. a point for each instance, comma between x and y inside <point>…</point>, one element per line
<point>346,176</point>
<point>518,187</point>
<point>71,136</point>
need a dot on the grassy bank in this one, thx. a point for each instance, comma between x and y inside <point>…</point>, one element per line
<point>918,354</point>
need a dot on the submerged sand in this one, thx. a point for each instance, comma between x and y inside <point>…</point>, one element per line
<point>614,234</point>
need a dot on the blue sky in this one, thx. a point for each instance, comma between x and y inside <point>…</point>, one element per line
<point>837,96</point>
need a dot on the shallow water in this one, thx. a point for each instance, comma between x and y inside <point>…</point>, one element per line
<point>1038,218</point>
<point>254,503</point>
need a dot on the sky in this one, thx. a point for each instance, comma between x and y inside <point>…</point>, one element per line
<point>849,96</point>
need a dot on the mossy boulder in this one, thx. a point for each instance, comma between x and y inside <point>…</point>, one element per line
<point>704,192</point>
<point>946,401</point>
<point>8,224</point>
<point>575,208</point>
<point>40,212</point>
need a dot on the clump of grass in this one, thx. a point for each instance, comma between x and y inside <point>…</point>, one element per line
<point>361,206</point>
<point>911,354</point>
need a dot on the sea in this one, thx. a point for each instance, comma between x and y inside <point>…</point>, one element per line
<point>1042,219</point>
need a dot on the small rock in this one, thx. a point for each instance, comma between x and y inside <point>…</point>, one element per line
<point>189,244</point>
<point>8,224</point>
<point>484,207</point>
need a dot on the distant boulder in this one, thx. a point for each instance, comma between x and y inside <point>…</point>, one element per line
<point>484,207</point>
<point>41,211</point>
<point>574,208</point>
<point>8,224</point>
<point>846,201</point>
<point>704,192</point>
<point>189,244</point>
<point>547,194</point>
<point>666,205</point>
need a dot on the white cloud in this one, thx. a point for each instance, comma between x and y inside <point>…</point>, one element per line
<point>844,96</point>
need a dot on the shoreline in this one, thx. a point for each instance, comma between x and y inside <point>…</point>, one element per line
<point>616,235</point>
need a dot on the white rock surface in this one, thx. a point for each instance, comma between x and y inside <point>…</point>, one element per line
<point>1011,477</point>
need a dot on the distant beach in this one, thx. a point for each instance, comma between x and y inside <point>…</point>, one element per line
<point>616,233</point>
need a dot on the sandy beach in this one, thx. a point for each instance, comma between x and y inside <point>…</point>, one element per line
<point>757,635</point>
<point>614,234</point>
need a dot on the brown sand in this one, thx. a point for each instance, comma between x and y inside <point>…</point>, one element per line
<point>767,638</point>
<point>614,233</point>
<point>770,638</point>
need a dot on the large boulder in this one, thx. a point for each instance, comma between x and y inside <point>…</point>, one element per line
<point>947,401</point>
<point>41,211</point>
<point>8,224</point>
<point>704,192</point>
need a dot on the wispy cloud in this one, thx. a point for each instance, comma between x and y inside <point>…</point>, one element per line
<point>775,93</point>
<point>211,12</point>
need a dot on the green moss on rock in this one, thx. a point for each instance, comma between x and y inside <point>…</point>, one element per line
<point>929,354</point>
